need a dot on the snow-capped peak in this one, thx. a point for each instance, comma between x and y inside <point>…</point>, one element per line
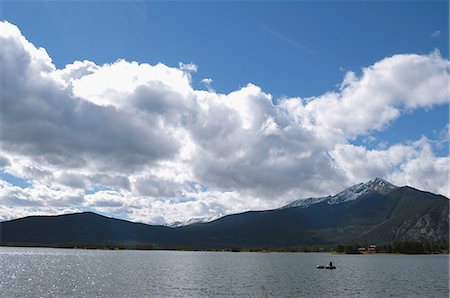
<point>358,190</point>
<point>349,194</point>
<point>194,220</point>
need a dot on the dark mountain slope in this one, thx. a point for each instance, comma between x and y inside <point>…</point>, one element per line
<point>81,229</point>
<point>415,216</point>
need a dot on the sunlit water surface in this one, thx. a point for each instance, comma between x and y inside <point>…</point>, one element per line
<point>46,272</point>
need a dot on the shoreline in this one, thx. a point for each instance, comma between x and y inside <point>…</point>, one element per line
<point>233,250</point>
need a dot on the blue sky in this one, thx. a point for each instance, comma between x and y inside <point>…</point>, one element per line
<point>289,49</point>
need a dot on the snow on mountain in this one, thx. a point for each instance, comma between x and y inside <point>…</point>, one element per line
<point>194,220</point>
<point>306,202</point>
<point>347,195</point>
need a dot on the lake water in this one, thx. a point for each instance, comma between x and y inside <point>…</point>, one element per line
<point>46,272</point>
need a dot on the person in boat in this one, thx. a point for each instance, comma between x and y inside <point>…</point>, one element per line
<point>331,264</point>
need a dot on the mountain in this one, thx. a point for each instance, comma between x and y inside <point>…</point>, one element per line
<point>373,212</point>
<point>352,193</point>
<point>79,229</point>
<point>378,216</point>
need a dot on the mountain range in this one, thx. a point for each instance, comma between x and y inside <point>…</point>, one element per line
<point>373,212</point>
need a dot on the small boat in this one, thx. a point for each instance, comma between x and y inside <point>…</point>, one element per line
<point>326,267</point>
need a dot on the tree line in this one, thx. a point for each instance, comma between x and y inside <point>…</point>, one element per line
<point>400,246</point>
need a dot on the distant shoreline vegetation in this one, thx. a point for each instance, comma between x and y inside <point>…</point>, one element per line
<point>396,247</point>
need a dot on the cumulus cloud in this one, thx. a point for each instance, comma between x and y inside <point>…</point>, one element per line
<point>160,151</point>
<point>371,101</point>
<point>413,164</point>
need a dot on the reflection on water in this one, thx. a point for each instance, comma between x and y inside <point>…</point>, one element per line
<point>49,272</point>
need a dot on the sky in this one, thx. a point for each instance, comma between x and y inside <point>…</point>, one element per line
<point>160,112</point>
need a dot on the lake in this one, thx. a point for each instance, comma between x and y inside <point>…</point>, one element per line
<point>47,272</point>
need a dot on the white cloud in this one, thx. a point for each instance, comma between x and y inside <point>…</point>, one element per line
<point>113,84</point>
<point>379,95</point>
<point>207,82</point>
<point>435,34</point>
<point>414,164</point>
<point>424,170</point>
<point>166,152</point>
